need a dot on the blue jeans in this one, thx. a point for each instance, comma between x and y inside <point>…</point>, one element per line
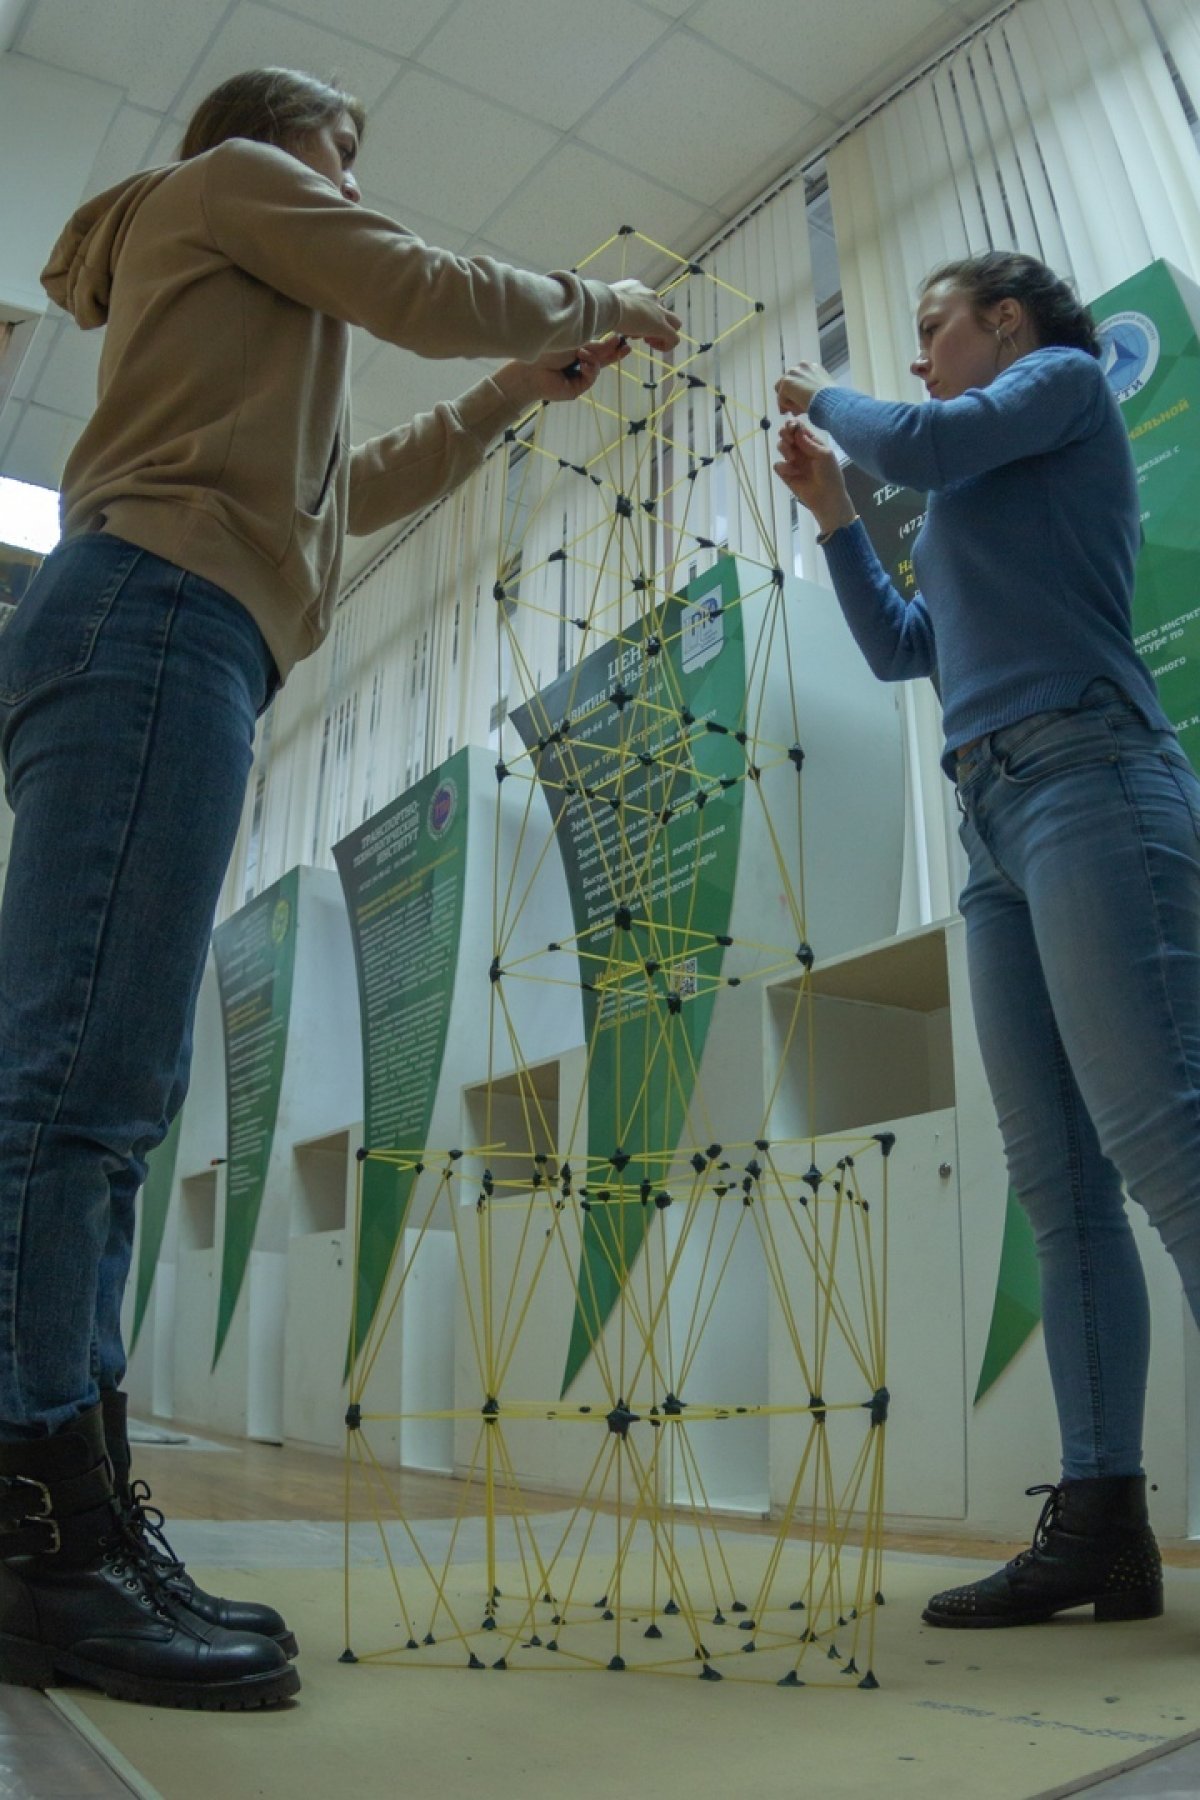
<point>128,696</point>
<point>1082,908</point>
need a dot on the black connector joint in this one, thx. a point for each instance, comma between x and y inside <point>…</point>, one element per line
<point>620,1419</point>
<point>878,1405</point>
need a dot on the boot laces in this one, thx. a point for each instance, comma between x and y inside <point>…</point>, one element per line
<point>1047,1520</point>
<point>132,1559</point>
<point>147,1523</point>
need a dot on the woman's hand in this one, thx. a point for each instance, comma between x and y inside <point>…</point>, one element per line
<point>811,470</point>
<point>794,391</point>
<point>531,382</point>
<point>643,315</point>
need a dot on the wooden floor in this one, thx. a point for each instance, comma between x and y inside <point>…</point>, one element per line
<point>269,1481</point>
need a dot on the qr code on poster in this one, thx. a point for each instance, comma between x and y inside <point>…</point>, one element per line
<point>683,977</point>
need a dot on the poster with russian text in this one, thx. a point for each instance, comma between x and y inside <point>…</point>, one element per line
<point>255,954</point>
<point>155,1205</point>
<point>1150,330</point>
<point>636,753</point>
<point>403,875</point>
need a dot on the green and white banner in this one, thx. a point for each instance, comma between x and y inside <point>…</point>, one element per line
<point>636,752</point>
<point>155,1202</point>
<point>403,874</point>
<point>1150,329</point>
<point>255,953</point>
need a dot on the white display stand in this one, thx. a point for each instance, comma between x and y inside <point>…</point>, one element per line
<point>168,1371</point>
<point>320,1278</point>
<point>896,1051</point>
<point>248,1390</point>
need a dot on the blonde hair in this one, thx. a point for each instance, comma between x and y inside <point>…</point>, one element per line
<point>272,106</point>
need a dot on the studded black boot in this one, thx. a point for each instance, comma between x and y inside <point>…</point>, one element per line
<point>80,1599</point>
<point>147,1522</point>
<point>1093,1546</point>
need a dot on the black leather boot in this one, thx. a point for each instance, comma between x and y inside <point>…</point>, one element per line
<point>147,1522</point>
<point>1093,1546</point>
<point>81,1600</point>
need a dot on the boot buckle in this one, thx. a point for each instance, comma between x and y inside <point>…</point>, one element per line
<point>26,1510</point>
<point>15,1488</point>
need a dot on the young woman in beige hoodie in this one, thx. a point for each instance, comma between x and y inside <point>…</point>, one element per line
<point>205,508</point>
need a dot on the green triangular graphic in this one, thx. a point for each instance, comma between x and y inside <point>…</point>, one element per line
<point>156,1201</point>
<point>403,873</point>
<point>255,953</point>
<point>647,807</point>
<point>1017,1309</point>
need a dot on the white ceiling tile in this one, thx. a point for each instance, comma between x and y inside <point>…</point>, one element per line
<point>432,231</point>
<point>127,42</point>
<point>939,35</point>
<point>11,13</point>
<point>575,203</point>
<point>674,9</point>
<point>35,358</point>
<point>397,384</point>
<point>820,53</point>
<point>362,427</point>
<point>255,37</point>
<point>397,28</point>
<point>164,146</point>
<point>424,384</point>
<point>362,347</point>
<point>972,11</point>
<point>124,150</point>
<point>40,446</point>
<point>67,383</point>
<point>545,57</point>
<point>448,153</point>
<point>691,117</point>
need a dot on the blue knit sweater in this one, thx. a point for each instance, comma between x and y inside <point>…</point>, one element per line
<point>1025,561</point>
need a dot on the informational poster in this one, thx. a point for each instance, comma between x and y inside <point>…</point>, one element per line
<point>403,875</point>
<point>892,517</point>
<point>255,953</point>
<point>637,754</point>
<point>155,1203</point>
<point>1150,329</point>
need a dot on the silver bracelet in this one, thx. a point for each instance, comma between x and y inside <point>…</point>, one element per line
<point>823,537</point>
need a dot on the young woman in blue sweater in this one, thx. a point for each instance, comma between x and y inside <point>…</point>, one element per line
<point>1081,824</point>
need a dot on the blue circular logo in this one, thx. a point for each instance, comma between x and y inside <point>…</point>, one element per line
<point>1129,352</point>
<point>442,808</point>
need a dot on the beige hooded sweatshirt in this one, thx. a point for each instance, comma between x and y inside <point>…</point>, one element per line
<point>220,440</point>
